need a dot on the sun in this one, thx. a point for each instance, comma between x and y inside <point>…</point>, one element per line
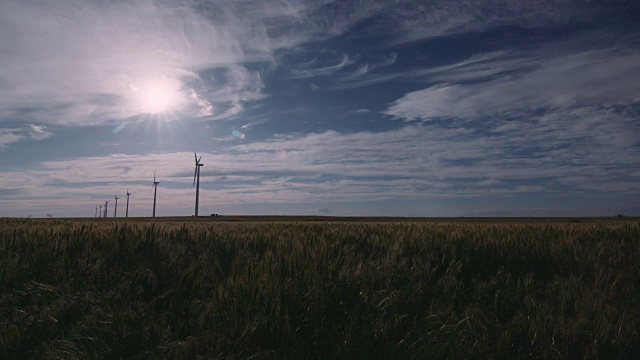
<point>157,100</point>
<point>157,96</point>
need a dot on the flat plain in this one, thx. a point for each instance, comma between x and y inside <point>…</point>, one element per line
<point>319,287</point>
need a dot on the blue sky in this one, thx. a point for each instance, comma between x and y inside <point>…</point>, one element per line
<point>300,107</point>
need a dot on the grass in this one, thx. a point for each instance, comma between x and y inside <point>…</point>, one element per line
<point>376,290</point>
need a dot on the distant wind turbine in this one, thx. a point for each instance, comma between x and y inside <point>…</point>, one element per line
<point>100,213</point>
<point>155,186</point>
<point>196,174</point>
<point>105,208</point>
<point>115,209</point>
<point>96,213</point>
<point>126,214</point>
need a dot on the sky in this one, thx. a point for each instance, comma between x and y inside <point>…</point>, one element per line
<point>318,107</point>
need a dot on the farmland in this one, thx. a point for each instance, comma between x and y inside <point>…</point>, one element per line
<point>319,288</point>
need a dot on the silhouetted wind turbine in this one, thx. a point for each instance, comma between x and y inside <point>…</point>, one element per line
<point>105,208</point>
<point>100,213</point>
<point>96,213</point>
<point>126,214</point>
<point>115,209</point>
<point>196,174</point>
<point>155,185</point>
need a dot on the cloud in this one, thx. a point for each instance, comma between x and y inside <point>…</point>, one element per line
<point>85,63</point>
<point>364,74</point>
<point>9,136</point>
<point>321,71</point>
<point>227,89</point>
<point>339,72</point>
<point>299,22</point>
<point>206,108</point>
<point>434,160</point>
<point>39,132</point>
<point>580,152</point>
<point>355,112</point>
<point>475,88</point>
<point>418,20</point>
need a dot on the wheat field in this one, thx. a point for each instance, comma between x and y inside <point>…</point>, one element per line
<point>73,289</point>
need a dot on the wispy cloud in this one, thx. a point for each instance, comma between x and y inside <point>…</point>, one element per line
<point>365,74</point>
<point>9,136</point>
<point>15,134</point>
<point>581,151</point>
<point>474,88</point>
<point>39,132</point>
<point>310,71</point>
<point>80,63</point>
<point>355,112</point>
<point>584,151</point>
<point>418,20</point>
<point>83,63</point>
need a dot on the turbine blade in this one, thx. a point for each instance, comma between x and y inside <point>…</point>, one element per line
<point>199,159</point>
<point>195,156</point>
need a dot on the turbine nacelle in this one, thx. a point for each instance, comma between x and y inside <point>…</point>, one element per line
<point>155,183</point>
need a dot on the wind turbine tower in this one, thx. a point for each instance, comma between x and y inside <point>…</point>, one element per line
<point>100,213</point>
<point>115,209</point>
<point>126,214</point>
<point>196,174</point>
<point>96,213</point>
<point>105,208</point>
<point>155,186</point>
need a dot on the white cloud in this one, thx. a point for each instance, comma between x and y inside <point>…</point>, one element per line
<point>39,132</point>
<point>355,112</point>
<point>309,72</point>
<point>9,136</point>
<point>83,63</point>
<point>426,19</point>
<point>365,73</point>
<point>578,152</point>
<point>12,135</point>
<point>74,62</point>
<point>473,89</point>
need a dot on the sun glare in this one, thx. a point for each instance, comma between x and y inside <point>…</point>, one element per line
<point>155,97</point>
<point>157,100</point>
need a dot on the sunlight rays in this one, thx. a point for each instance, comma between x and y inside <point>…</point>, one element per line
<point>157,96</point>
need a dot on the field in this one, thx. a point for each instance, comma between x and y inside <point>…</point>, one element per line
<point>320,288</point>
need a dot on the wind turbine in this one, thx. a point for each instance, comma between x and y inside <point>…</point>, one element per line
<point>96,213</point>
<point>126,214</point>
<point>105,208</point>
<point>155,185</point>
<point>100,213</point>
<point>115,210</point>
<point>196,174</point>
